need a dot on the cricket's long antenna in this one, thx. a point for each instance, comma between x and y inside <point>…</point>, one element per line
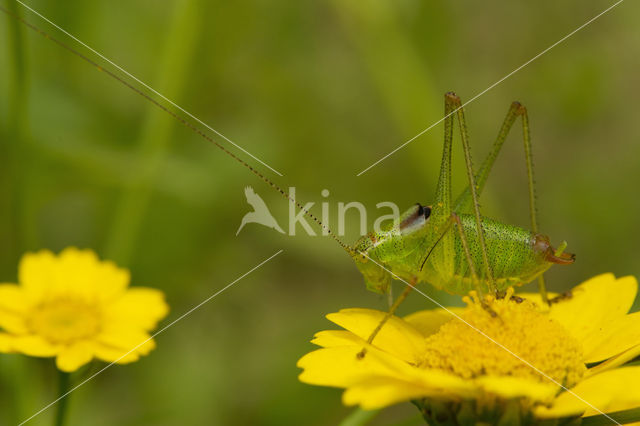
<point>185,123</point>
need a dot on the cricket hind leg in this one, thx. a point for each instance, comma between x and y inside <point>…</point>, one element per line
<point>454,101</point>
<point>533,209</point>
<point>463,202</point>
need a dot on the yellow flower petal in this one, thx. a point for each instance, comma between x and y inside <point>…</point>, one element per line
<point>127,340</point>
<point>332,338</point>
<point>33,346</point>
<point>380,392</point>
<point>340,366</point>
<point>35,272</point>
<point>428,322</point>
<point>75,356</point>
<point>509,387</point>
<point>594,304</point>
<point>397,337</point>
<point>78,272</point>
<point>616,361</point>
<point>330,365</point>
<point>139,307</point>
<point>5,343</point>
<point>613,338</point>
<point>613,390</point>
<point>378,379</point>
<point>13,306</point>
<point>118,355</point>
<point>12,323</point>
<point>13,299</point>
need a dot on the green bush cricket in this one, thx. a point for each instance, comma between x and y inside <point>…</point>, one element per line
<point>480,254</point>
<point>448,244</point>
<point>421,246</point>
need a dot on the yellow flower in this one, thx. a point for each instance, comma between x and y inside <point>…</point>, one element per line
<point>524,352</point>
<point>75,307</point>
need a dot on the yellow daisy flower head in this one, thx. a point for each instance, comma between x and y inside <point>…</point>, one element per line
<point>510,360</point>
<point>75,307</point>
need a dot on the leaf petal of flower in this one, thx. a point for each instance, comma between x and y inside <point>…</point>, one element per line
<point>612,390</point>
<point>74,356</point>
<point>13,299</point>
<point>13,305</point>
<point>138,307</point>
<point>75,271</point>
<point>33,345</point>
<point>616,361</point>
<point>397,337</point>
<point>613,338</point>
<point>515,387</point>
<point>594,304</point>
<point>332,338</point>
<point>120,356</point>
<point>378,392</point>
<point>127,340</point>
<point>429,321</point>
<point>378,379</point>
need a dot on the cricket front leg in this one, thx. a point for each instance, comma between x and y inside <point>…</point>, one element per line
<point>388,315</point>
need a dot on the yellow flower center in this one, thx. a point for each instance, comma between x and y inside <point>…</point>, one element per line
<point>65,320</point>
<point>526,332</point>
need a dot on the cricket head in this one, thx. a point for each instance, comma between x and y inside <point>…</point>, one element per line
<point>367,258</point>
<point>378,253</point>
<point>375,275</point>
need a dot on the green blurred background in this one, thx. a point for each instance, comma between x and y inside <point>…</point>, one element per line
<point>318,90</point>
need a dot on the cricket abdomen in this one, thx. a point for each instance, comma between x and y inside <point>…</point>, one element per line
<point>514,254</point>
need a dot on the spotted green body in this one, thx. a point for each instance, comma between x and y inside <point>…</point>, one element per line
<point>426,243</point>
<point>516,256</point>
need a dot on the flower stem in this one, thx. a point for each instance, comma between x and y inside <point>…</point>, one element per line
<point>64,384</point>
<point>359,417</point>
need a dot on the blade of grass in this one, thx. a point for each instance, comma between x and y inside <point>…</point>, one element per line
<point>154,142</point>
<point>22,225</point>
<point>396,70</point>
<point>20,230</point>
